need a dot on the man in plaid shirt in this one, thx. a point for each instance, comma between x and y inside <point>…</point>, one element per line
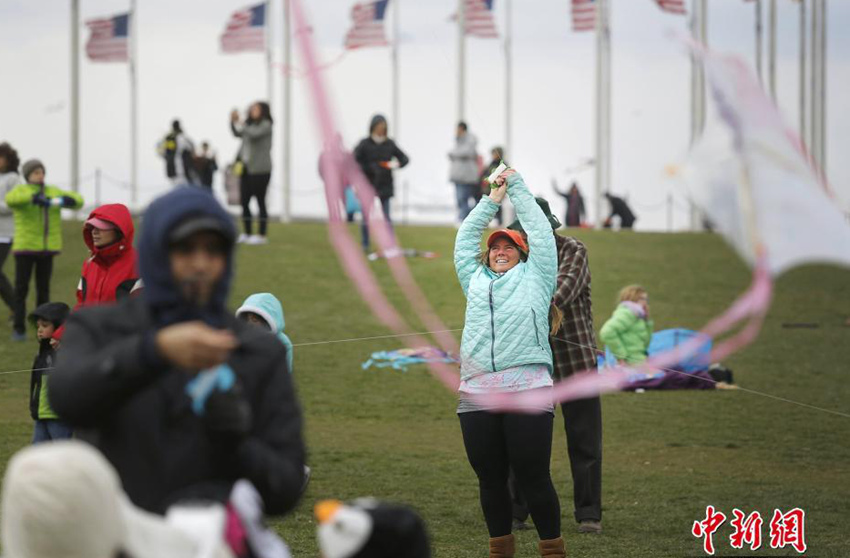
<point>574,350</point>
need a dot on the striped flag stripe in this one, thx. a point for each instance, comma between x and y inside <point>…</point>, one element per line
<point>245,31</point>
<point>367,25</point>
<point>109,39</point>
<point>672,6</point>
<point>584,15</point>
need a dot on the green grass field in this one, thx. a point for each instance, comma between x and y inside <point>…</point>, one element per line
<point>395,435</point>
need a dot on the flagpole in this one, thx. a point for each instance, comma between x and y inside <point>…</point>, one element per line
<point>814,119</point>
<point>603,107</point>
<point>286,214</point>
<point>508,83</point>
<point>822,79</point>
<point>771,50</point>
<point>75,95</point>
<point>394,54</point>
<point>803,130</point>
<point>269,57</point>
<point>461,58</point>
<point>699,25</point>
<point>758,41</point>
<point>134,194</point>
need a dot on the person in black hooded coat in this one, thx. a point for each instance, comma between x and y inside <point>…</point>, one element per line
<point>123,372</point>
<point>377,156</point>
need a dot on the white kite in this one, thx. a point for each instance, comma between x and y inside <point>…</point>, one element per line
<point>754,180</point>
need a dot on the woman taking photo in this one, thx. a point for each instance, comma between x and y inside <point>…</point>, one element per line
<point>255,154</point>
<point>505,348</point>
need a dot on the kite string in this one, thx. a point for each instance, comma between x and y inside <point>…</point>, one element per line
<point>573,343</point>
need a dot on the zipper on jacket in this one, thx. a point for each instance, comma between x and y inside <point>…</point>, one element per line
<point>46,219</point>
<point>536,333</point>
<point>492,327</point>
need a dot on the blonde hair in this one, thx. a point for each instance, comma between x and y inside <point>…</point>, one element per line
<point>631,293</point>
<point>556,319</point>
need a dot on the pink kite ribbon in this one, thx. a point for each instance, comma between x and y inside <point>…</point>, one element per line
<point>339,168</point>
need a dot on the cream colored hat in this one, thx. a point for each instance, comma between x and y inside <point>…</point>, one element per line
<point>64,500</point>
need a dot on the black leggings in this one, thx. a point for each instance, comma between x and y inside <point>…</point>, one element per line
<point>254,185</point>
<point>498,442</point>
<point>24,263</point>
<point>7,293</point>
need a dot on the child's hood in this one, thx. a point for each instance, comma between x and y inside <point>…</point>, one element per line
<point>268,307</point>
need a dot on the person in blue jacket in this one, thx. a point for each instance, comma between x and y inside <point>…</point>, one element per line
<point>505,349</point>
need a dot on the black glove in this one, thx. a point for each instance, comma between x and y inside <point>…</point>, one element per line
<point>40,199</point>
<point>69,202</point>
<point>227,413</point>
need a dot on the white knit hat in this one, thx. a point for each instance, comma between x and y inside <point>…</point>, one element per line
<point>64,500</point>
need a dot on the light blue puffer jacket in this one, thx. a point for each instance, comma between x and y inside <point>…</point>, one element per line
<point>268,307</point>
<point>507,315</point>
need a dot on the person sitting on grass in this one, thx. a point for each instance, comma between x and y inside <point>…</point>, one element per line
<point>505,348</point>
<point>628,333</point>
<point>266,311</point>
<point>47,318</point>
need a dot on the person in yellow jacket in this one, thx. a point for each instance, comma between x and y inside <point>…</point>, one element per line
<point>36,208</point>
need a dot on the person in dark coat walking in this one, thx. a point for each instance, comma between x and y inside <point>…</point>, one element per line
<point>575,204</point>
<point>378,156</point>
<point>619,208</point>
<point>126,373</point>
<point>206,165</point>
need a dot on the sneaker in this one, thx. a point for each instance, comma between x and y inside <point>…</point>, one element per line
<point>256,239</point>
<point>18,337</point>
<point>242,238</point>
<point>590,526</point>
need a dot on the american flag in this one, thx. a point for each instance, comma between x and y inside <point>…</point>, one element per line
<point>478,19</point>
<point>368,28</point>
<point>109,39</point>
<point>246,30</point>
<point>584,15</point>
<point>672,6</point>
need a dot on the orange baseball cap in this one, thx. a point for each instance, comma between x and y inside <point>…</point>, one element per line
<point>513,236</point>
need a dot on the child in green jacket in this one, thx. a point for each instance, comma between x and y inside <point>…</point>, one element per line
<point>37,210</point>
<point>47,318</point>
<point>629,331</point>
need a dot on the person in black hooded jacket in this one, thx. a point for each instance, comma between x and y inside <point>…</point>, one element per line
<point>46,319</point>
<point>378,156</point>
<point>123,373</point>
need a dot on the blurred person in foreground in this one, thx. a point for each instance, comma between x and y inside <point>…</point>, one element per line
<point>182,398</point>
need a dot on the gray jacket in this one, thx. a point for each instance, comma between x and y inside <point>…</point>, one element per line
<point>8,180</point>
<point>464,157</point>
<point>256,150</point>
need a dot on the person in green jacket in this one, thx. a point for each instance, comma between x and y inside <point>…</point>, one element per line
<point>628,332</point>
<point>37,210</point>
<point>505,349</point>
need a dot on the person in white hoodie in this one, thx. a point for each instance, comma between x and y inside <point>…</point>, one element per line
<point>464,171</point>
<point>9,178</point>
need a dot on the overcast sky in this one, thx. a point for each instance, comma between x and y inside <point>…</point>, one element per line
<point>183,74</point>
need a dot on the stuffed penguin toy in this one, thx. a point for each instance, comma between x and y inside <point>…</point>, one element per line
<point>366,528</point>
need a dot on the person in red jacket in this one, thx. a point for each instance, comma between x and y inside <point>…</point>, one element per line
<point>112,271</point>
